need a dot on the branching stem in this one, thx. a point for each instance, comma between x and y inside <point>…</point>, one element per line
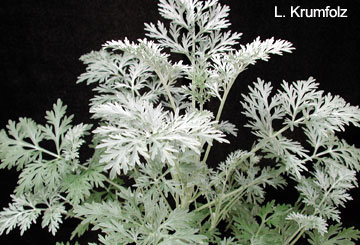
<point>166,87</point>
<point>219,112</point>
<point>57,156</point>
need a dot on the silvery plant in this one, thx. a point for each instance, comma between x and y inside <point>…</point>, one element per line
<point>149,181</point>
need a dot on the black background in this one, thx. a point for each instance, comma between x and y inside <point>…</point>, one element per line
<point>42,40</point>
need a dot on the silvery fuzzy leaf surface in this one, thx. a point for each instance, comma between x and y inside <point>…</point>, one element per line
<point>328,189</point>
<point>152,134</point>
<point>21,213</point>
<point>136,129</point>
<point>24,211</point>
<point>309,222</point>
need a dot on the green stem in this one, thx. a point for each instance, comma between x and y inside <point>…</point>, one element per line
<point>157,185</point>
<point>316,211</point>
<point>253,150</point>
<point>258,146</point>
<point>176,178</point>
<point>218,206</point>
<point>163,197</point>
<point>109,181</point>
<point>232,193</point>
<point>163,81</point>
<point>57,156</point>
<point>38,148</point>
<point>192,60</point>
<point>297,237</point>
<point>228,206</point>
<point>219,112</point>
<point>294,235</point>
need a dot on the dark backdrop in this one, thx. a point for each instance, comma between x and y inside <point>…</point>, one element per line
<point>42,40</point>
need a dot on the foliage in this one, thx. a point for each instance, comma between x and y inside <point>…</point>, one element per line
<point>148,181</point>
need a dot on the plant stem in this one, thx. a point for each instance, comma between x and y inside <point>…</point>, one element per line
<point>163,81</point>
<point>293,236</point>
<point>242,188</point>
<point>109,181</point>
<point>25,144</point>
<point>228,206</point>
<point>219,112</point>
<point>57,156</point>
<point>163,197</point>
<point>260,227</point>
<point>192,60</point>
<point>232,193</point>
<point>316,211</point>
<point>218,206</point>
